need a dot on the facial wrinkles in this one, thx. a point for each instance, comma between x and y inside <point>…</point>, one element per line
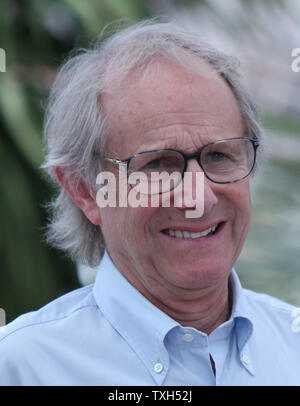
<point>185,138</point>
<point>190,307</point>
<point>180,139</point>
<point>245,227</point>
<point>145,121</point>
<point>159,120</point>
<point>177,302</point>
<point>169,119</point>
<point>145,267</point>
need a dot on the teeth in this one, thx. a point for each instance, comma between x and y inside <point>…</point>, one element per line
<point>187,234</point>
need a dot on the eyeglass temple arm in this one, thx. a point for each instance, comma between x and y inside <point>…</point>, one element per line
<point>115,161</point>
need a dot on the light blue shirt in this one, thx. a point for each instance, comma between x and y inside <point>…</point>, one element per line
<point>109,334</point>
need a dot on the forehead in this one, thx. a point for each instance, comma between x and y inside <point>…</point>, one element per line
<point>166,106</point>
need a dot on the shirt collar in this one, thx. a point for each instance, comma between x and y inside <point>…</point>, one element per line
<point>137,320</point>
<point>144,326</point>
<point>244,319</point>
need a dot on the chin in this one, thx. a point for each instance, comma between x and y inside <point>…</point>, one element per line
<point>191,276</point>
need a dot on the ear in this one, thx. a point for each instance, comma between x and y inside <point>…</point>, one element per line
<point>81,196</point>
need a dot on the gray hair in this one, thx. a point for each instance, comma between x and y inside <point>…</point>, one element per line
<point>75,125</point>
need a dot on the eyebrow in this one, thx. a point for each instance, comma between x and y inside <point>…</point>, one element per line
<point>170,144</point>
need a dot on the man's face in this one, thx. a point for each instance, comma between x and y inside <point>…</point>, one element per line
<point>170,108</point>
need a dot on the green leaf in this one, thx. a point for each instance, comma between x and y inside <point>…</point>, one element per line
<point>18,119</point>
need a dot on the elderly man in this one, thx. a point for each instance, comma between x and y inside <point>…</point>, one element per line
<point>167,307</point>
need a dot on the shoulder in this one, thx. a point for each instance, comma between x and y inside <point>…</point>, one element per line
<point>272,311</point>
<point>60,310</point>
<point>47,345</point>
<point>268,302</point>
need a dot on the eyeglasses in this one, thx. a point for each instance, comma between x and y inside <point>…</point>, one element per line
<point>223,161</point>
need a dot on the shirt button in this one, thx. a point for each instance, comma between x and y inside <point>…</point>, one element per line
<point>158,367</point>
<point>188,337</point>
<point>245,359</point>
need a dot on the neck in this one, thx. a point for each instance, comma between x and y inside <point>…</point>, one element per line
<point>204,309</point>
<point>205,313</point>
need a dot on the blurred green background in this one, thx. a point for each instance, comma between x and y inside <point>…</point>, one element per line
<point>37,35</point>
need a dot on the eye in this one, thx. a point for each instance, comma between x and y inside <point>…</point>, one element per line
<point>154,164</point>
<point>157,161</point>
<point>216,157</point>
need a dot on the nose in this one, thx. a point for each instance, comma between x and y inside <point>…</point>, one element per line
<point>197,190</point>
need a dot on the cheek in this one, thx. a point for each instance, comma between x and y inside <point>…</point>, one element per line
<point>139,222</point>
<point>129,225</point>
<point>111,224</point>
<point>241,202</point>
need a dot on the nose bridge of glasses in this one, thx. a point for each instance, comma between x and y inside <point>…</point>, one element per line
<point>193,160</point>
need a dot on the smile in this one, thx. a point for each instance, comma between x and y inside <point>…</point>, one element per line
<point>188,234</point>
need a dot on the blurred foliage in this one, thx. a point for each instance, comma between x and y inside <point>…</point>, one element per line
<point>37,35</point>
<point>282,123</point>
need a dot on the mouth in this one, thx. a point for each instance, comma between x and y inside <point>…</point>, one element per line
<point>185,234</point>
